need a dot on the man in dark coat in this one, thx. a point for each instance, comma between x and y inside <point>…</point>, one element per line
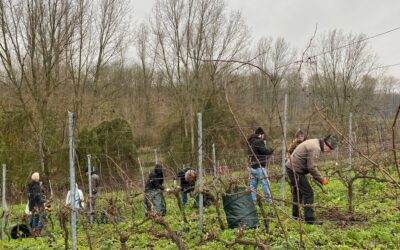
<point>258,152</point>
<point>36,200</point>
<point>154,198</point>
<point>187,180</point>
<point>303,161</point>
<point>156,179</point>
<point>95,179</point>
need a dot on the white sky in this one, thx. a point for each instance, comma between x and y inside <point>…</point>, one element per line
<point>295,21</point>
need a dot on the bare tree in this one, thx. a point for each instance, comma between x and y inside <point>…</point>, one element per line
<point>341,76</point>
<point>146,72</point>
<point>46,45</point>
<point>185,34</point>
<point>35,35</point>
<point>100,29</point>
<point>273,57</point>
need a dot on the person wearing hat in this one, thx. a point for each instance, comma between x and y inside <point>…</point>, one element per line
<point>258,152</point>
<point>153,192</point>
<point>301,162</point>
<point>156,178</point>
<point>187,180</point>
<point>298,138</point>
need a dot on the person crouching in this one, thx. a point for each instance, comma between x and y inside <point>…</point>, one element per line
<point>187,180</point>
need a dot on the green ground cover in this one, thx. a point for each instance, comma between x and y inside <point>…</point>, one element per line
<point>375,224</point>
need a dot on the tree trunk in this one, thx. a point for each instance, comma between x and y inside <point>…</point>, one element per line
<point>350,196</point>
<point>44,163</point>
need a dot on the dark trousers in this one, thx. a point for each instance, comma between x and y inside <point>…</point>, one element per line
<point>306,195</point>
<point>38,219</point>
<point>35,221</point>
<point>185,196</point>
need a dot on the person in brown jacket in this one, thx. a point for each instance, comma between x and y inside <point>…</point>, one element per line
<point>299,138</point>
<point>303,161</point>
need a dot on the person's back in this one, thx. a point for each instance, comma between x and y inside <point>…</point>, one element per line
<point>35,195</point>
<point>156,179</point>
<point>77,201</point>
<point>95,182</point>
<point>303,158</point>
<point>294,145</point>
<point>36,202</point>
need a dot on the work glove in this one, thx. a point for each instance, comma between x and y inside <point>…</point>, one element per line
<point>324,181</point>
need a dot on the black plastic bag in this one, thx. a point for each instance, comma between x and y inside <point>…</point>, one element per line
<point>239,209</point>
<point>154,200</point>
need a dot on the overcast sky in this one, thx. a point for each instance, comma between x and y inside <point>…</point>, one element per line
<point>295,21</point>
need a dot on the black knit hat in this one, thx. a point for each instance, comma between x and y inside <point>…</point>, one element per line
<point>299,132</point>
<point>87,171</point>
<point>158,167</point>
<point>331,140</point>
<point>259,131</point>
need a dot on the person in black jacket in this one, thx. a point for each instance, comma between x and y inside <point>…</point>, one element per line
<point>187,180</point>
<point>36,200</point>
<point>154,199</point>
<point>156,179</point>
<point>258,153</point>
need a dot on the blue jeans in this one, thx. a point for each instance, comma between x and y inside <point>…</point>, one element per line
<point>36,221</point>
<point>185,197</point>
<point>259,174</point>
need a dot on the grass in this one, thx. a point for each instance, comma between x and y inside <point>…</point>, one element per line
<point>375,225</point>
